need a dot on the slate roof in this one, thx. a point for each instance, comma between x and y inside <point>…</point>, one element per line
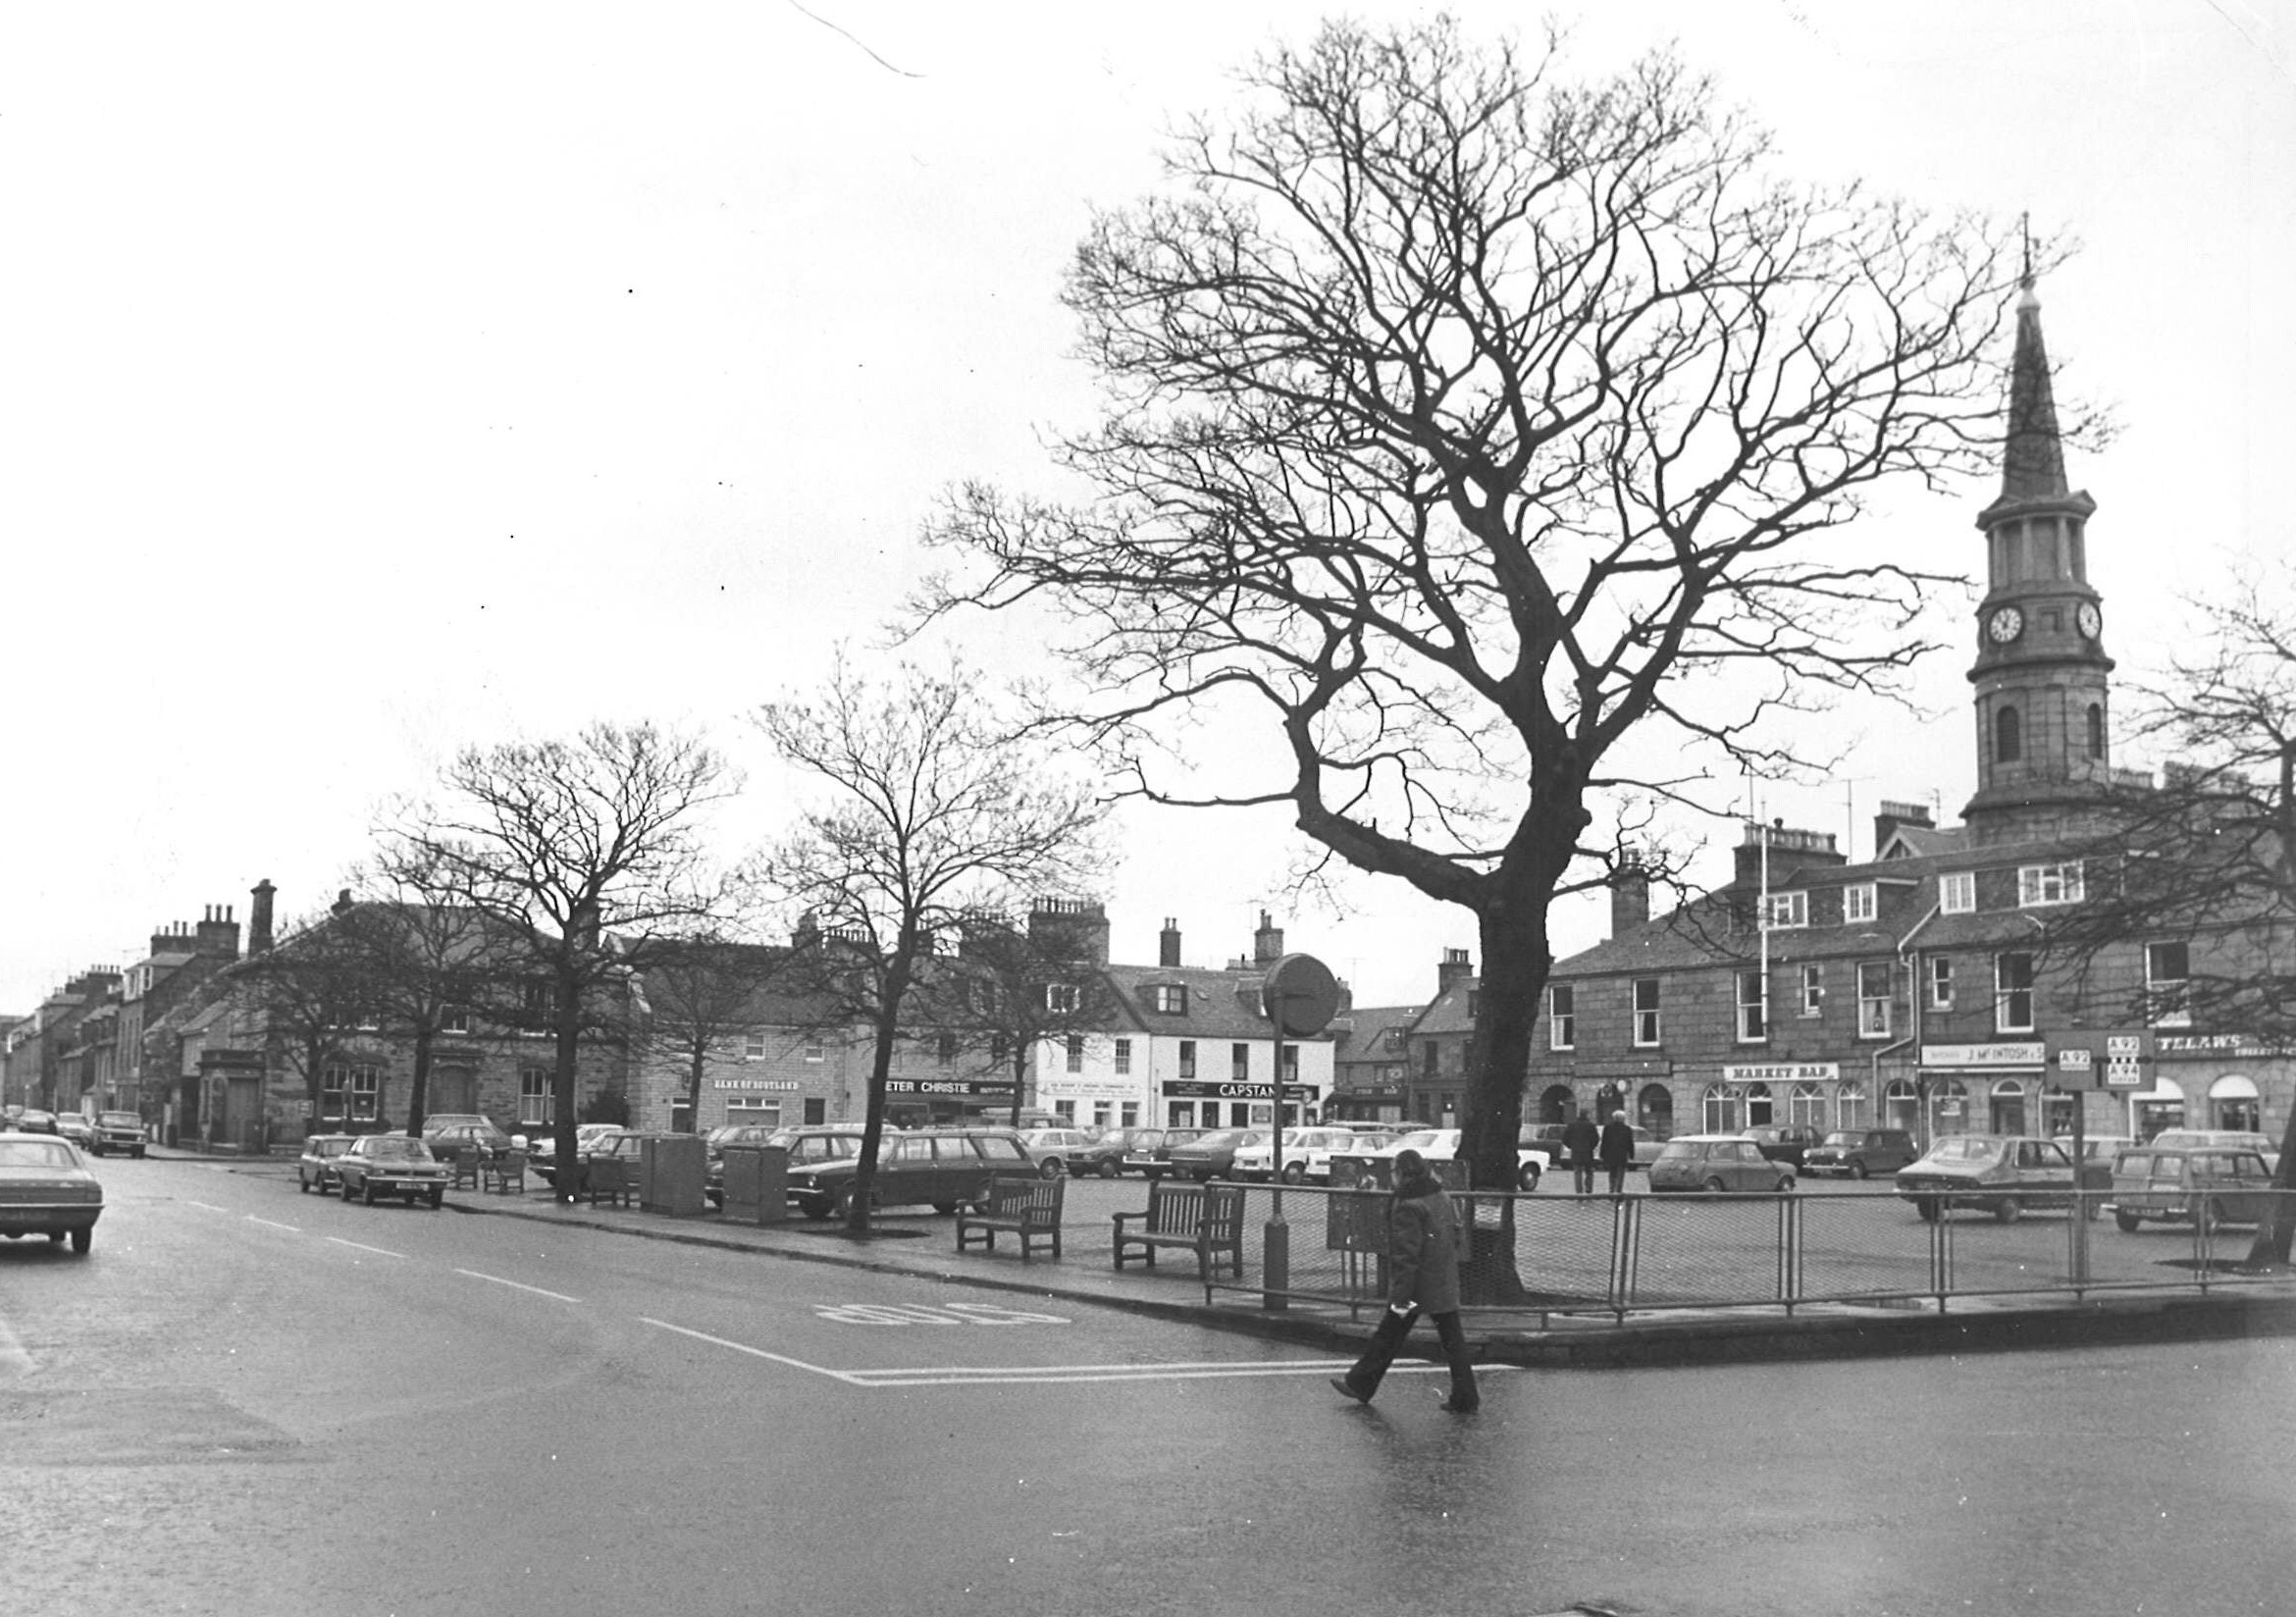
<point>1222,1005</point>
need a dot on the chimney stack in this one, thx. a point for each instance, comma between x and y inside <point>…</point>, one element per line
<point>1630,900</point>
<point>259,918</point>
<point>1451,969</point>
<point>1896,814</point>
<point>1267,942</point>
<point>218,933</point>
<point>1074,929</point>
<point>343,902</point>
<point>1168,944</point>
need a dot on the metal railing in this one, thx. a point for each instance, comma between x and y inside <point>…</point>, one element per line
<point>1550,1254</point>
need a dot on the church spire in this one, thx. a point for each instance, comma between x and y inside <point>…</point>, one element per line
<point>2032,461</point>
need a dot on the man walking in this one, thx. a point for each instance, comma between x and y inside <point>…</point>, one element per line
<point>1579,1138</point>
<point>1618,1151</point>
<point>1422,1276</point>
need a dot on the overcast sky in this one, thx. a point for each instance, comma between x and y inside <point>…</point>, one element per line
<point>381,380</point>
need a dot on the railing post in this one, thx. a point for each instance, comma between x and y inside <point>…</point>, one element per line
<point>1789,1251</point>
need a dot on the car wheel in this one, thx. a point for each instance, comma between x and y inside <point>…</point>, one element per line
<point>944,1207</point>
<point>303,1184</point>
<point>1051,1168</point>
<point>438,1195</point>
<point>369,1198</point>
<point>1527,1176</point>
<point>139,1153</point>
<point>1711,1185</point>
<point>2009,1209</point>
<point>1294,1173</point>
<point>1927,1207</point>
<point>1785,1183</point>
<point>1856,1170</point>
<point>348,1194</point>
<point>82,1238</point>
<point>1108,1171</point>
<point>841,1204</point>
<point>2128,1222</point>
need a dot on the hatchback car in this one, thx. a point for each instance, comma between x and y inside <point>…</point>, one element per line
<point>2239,1139</point>
<point>315,1167</point>
<point>46,1189</point>
<point>1105,1156</point>
<point>1789,1144</point>
<point>1442,1145</point>
<point>34,1121</point>
<point>119,1131</point>
<point>1055,1151</point>
<point>77,1129</point>
<point>938,1168</point>
<point>375,1166</point>
<point>448,1133</point>
<point>2176,1184</point>
<point>2002,1173</point>
<point>1860,1153</point>
<point>1717,1161</point>
<point>1212,1155</point>
<point>813,1143</point>
<point>1149,1153</point>
<point>1307,1155</point>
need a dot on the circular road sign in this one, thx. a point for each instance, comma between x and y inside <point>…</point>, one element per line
<point>1300,996</point>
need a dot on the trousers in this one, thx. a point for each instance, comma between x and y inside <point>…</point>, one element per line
<point>1380,1353</point>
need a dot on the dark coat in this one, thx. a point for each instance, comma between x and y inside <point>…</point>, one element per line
<point>1423,1247</point>
<point>1618,1145</point>
<point>1579,1137</point>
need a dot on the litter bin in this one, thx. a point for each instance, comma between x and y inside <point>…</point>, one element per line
<point>671,1169</point>
<point>756,1184</point>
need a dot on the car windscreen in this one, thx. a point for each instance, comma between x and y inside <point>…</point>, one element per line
<point>1964,1150</point>
<point>396,1148</point>
<point>998,1149</point>
<point>37,1154</point>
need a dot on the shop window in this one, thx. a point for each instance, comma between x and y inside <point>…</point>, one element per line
<point>1851,1107</point>
<point>1724,1110</point>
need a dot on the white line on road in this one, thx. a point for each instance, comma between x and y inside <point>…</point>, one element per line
<point>518,1285</point>
<point>754,1352</point>
<point>270,1224</point>
<point>357,1246</point>
<point>209,1206</point>
<point>1042,1374</point>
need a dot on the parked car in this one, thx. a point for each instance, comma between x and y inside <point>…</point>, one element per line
<point>825,1142</point>
<point>315,1167</point>
<point>2176,1184</point>
<point>375,1166</point>
<point>1860,1153</point>
<point>449,1134</point>
<point>1717,1161</point>
<point>77,1129</point>
<point>119,1131</point>
<point>939,1168</point>
<point>1105,1156</point>
<point>2098,1152</point>
<point>1149,1152</point>
<point>34,1121</point>
<point>1788,1145</point>
<point>1442,1145</point>
<point>1307,1155</point>
<point>2001,1173</point>
<point>46,1189</point>
<point>588,1140</point>
<point>2241,1139</point>
<point>1055,1150</point>
<point>542,1149</point>
<point>1212,1155</point>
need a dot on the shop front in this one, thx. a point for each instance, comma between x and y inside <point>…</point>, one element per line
<point>1194,1103</point>
<point>771,1103</point>
<point>917,1103</point>
<point>1973,1089</point>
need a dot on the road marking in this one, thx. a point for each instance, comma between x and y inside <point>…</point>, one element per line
<point>270,1224</point>
<point>917,1314</point>
<point>519,1286</point>
<point>379,1251</point>
<point>754,1352</point>
<point>1042,1374</point>
<point>209,1206</point>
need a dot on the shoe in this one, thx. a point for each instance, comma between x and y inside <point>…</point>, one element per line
<point>1340,1386</point>
<point>1453,1406</point>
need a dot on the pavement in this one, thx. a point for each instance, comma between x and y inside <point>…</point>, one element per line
<point>923,1246</point>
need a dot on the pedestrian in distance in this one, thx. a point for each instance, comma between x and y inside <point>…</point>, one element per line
<point>1423,1277</point>
<point>1617,1150</point>
<point>1580,1139</point>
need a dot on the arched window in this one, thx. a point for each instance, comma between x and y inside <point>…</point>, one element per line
<point>2096,729</point>
<point>1655,1110</point>
<point>1725,1108</point>
<point>2008,744</point>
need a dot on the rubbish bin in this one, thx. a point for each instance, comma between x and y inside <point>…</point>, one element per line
<point>671,1169</point>
<point>756,1183</point>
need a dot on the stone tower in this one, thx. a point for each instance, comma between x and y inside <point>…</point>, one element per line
<point>2043,754</point>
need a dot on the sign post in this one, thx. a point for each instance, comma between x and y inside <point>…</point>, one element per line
<point>1300,997</point>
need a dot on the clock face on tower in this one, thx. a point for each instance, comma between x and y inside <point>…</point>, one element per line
<point>2089,620</point>
<point>2004,625</point>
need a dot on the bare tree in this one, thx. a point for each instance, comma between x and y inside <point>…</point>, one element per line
<point>1476,457</point>
<point>313,992</point>
<point>1020,989</point>
<point>701,990</point>
<point>931,812</point>
<point>2190,912</point>
<point>587,855</point>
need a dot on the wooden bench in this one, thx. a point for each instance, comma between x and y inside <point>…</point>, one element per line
<point>1205,1218</point>
<point>464,1162</point>
<point>608,1179</point>
<point>1029,1209</point>
<point>503,1174</point>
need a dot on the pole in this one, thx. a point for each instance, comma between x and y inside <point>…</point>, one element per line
<point>1276,1236</point>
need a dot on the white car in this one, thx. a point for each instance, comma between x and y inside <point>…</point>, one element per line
<point>1307,1155</point>
<point>1442,1145</point>
<point>1055,1150</point>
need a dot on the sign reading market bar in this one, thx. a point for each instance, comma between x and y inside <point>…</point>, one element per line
<point>2035,1054</point>
<point>1784,1072</point>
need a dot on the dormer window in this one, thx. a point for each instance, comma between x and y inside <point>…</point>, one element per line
<point>1782,909</point>
<point>1061,998</point>
<point>1957,892</point>
<point>1858,902</point>
<point>2046,884</point>
<point>1171,998</point>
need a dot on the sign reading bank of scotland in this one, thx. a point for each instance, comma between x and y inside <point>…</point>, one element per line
<point>2035,1054</point>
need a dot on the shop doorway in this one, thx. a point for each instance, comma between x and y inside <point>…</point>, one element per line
<point>2233,1103</point>
<point>1654,1111</point>
<point>2007,1113</point>
<point>1555,1105</point>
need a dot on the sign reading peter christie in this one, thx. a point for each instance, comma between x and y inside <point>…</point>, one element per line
<point>2035,1054</point>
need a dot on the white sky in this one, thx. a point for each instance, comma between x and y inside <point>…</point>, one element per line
<point>373,382</point>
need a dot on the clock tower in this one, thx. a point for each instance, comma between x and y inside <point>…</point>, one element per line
<point>2043,754</point>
